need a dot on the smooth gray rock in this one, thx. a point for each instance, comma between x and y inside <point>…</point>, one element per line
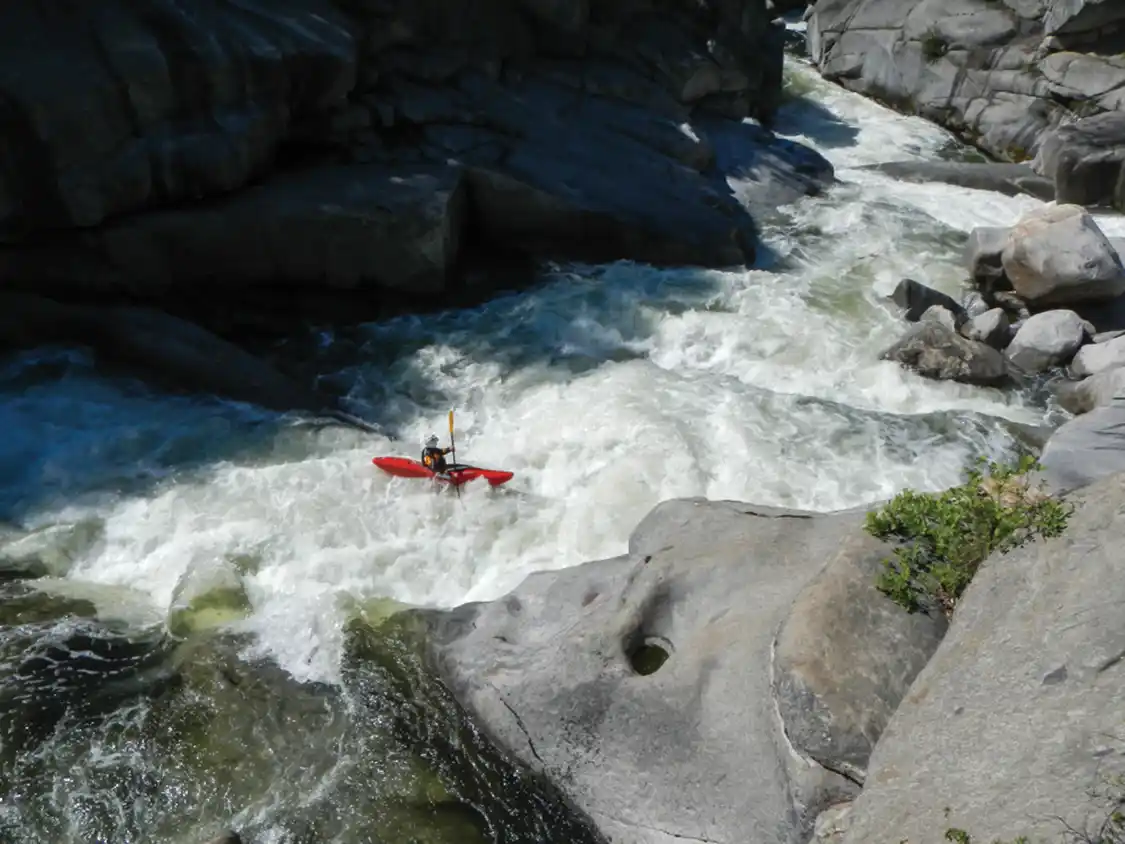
<point>979,67</point>
<point>1001,177</point>
<point>694,750</point>
<point>1095,357</point>
<point>1106,336</point>
<point>845,657</point>
<point>991,328</point>
<point>1047,340</point>
<point>1017,715</point>
<point>934,350</point>
<point>1098,390</point>
<point>1057,255</point>
<point>1086,159</point>
<point>1085,449</point>
<point>916,298</point>
<point>982,255</point>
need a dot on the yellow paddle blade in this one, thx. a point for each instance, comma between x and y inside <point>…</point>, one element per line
<point>451,421</point>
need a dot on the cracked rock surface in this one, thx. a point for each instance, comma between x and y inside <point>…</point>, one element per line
<point>1003,73</point>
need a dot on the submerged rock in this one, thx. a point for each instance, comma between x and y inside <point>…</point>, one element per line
<point>642,684</point>
<point>1014,723</point>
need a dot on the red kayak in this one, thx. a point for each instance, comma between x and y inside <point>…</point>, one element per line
<point>456,474</point>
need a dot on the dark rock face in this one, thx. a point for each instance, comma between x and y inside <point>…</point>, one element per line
<point>368,145</point>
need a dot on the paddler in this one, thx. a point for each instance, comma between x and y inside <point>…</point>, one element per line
<point>433,457</point>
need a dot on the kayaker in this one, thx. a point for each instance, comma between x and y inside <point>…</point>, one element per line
<point>433,457</point>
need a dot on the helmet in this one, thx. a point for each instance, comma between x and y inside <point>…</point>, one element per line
<point>431,441</point>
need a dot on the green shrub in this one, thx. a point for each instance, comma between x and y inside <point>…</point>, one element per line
<point>947,535</point>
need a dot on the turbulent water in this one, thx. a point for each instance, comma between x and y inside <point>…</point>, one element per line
<point>606,390</point>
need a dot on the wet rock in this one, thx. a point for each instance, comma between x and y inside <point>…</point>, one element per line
<point>1086,160</point>
<point>1058,255</point>
<point>1001,177</point>
<point>167,350</point>
<point>1100,389</point>
<point>1093,358</point>
<point>230,837</point>
<point>208,595</point>
<point>916,298</point>
<point>1047,340</point>
<point>934,350</point>
<point>1085,449</point>
<point>983,69</point>
<point>991,328</point>
<point>1033,653</point>
<point>49,551</point>
<point>845,657</point>
<point>641,684</point>
<point>983,252</point>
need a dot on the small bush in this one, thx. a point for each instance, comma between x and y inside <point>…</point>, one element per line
<point>947,535</point>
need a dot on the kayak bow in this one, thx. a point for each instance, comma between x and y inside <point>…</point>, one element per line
<point>456,474</point>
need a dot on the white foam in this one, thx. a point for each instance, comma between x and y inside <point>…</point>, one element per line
<point>606,392</point>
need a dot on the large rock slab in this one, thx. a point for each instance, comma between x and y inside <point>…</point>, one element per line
<point>344,226</point>
<point>1017,716</point>
<point>1085,159</point>
<point>1001,177</point>
<point>845,658</point>
<point>121,105</point>
<point>1086,449</point>
<point>565,672</point>
<point>982,68</point>
<point>1057,255</point>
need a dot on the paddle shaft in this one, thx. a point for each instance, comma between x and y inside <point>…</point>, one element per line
<point>453,448</point>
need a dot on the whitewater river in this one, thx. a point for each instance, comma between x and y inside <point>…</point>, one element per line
<point>605,390</point>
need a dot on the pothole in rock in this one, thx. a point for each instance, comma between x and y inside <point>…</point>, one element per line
<point>649,655</point>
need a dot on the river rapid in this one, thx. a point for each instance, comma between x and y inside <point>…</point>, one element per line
<point>606,390</point>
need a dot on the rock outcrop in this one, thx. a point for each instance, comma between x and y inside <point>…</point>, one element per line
<point>1086,449</point>
<point>1014,724</point>
<point>1002,73</point>
<point>644,684</point>
<point>156,156</point>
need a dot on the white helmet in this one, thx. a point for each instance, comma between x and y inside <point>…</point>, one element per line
<point>431,441</point>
